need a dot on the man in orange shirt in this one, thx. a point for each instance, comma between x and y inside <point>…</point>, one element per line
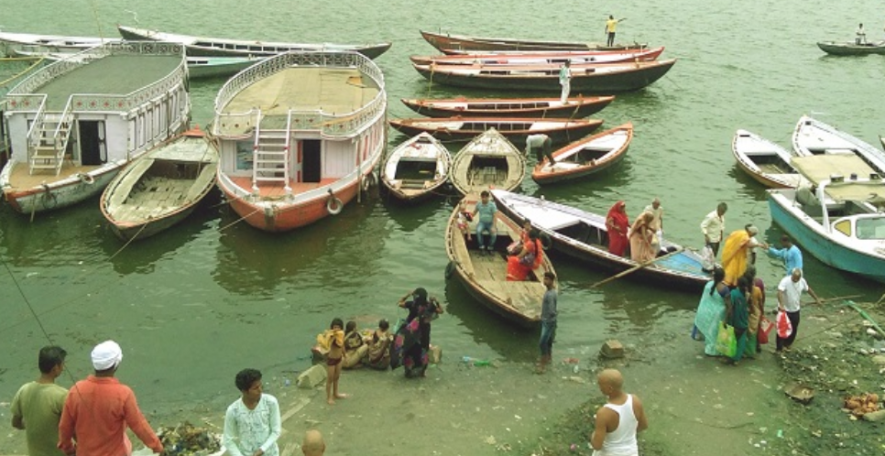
<point>98,410</point>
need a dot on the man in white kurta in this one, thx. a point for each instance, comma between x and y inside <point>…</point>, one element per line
<point>252,423</point>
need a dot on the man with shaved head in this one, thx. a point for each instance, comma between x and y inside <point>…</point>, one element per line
<point>618,421</point>
<point>313,444</point>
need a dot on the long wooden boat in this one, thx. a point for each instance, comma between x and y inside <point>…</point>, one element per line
<point>841,223</point>
<point>73,125</point>
<point>573,108</point>
<point>515,129</point>
<point>416,169</point>
<point>583,235</point>
<point>162,187</point>
<point>585,157</point>
<point>539,57</point>
<point>448,41</point>
<point>484,275</point>
<point>766,162</point>
<point>586,78</point>
<point>851,48</point>
<point>224,47</point>
<point>12,44</point>
<point>300,135</point>
<point>813,137</point>
<point>488,161</point>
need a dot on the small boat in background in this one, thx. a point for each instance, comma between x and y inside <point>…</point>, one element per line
<point>882,140</point>
<point>488,161</point>
<point>542,57</point>
<point>583,235</point>
<point>416,169</point>
<point>766,162</point>
<point>484,274</point>
<point>13,44</point>
<point>573,108</point>
<point>515,129</point>
<point>448,41</point>
<point>162,187</point>
<point>586,156</point>
<point>219,47</point>
<point>602,78</point>
<point>851,48</point>
<point>813,137</point>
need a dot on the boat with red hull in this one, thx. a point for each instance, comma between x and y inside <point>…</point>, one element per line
<point>514,129</point>
<point>573,108</point>
<point>449,41</point>
<point>538,57</point>
<point>585,157</point>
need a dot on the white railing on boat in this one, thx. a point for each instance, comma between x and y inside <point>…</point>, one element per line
<point>21,96</point>
<point>34,140</point>
<point>332,125</point>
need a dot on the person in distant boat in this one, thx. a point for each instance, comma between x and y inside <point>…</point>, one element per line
<point>617,223</point>
<point>619,420</point>
<point>379,347</point>
<point>528,259</point>
<point>486,210</point>
<point>642,238</point>
<point>565,80</point>
<point>611,25</point>
<point>548,321</point>
<point>333,361</point>
<point>541,145</point>
<point>860,36</point>
<point>713,227</point>
<point>657,223</point>
<point>355,347</point>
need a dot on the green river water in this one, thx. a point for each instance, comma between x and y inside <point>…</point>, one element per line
<point>194,305</point>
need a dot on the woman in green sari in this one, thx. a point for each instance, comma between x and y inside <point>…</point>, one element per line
<point>711,310</point>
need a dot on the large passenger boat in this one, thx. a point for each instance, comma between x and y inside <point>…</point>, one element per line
<point>74,124</point>
<point>300,135</point>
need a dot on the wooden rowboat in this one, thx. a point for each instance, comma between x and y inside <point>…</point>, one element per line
<point>515,129</point>
<point>586,156</point>
<point>448,41</point>
<point>851,48</point>
<point>417,168</point>
<point>162,187</point>
<point>546,57</point>
<point>813,137</point>
<point>574,108</point>
<point>484,275</point>
<point>12,44</point>
<point>488,161</point>
<point>584,236</point>
<point>602,78</point>
<point>219,47</point>
<point>766,162</point>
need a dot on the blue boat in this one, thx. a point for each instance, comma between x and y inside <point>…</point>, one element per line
<point>840,222</point>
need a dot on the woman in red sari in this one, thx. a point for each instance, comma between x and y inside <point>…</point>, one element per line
<point>617,222</point>
<point>527,260</point>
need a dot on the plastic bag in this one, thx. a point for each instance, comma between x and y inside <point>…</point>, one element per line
<point>784,325</point>
<point>726,342</point>
<point>765,327</point>
<point>708,259</point>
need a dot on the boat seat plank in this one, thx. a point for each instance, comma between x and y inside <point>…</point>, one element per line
<point>207,175</point>
<point>124,188</point>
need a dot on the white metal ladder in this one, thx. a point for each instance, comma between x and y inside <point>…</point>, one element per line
<point>48,141</point>
<point>270,155</point>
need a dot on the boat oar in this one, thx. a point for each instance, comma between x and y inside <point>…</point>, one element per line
<point>635,268</point>
<point>837,298</point>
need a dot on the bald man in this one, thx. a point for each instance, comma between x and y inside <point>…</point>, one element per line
<point>618,421</point>
<point>313,444</point>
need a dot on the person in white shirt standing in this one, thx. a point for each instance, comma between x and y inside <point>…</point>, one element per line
<point>252,423</point>
<point>618,421</point>
<point>789,295</point>
<point>657,223</point>
<point>565,80</point>
<point>713,227</point>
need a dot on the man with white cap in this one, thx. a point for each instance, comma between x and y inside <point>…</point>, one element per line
<point>98,410</point>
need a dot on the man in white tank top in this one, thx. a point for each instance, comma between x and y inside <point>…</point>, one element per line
<point>618,421</point>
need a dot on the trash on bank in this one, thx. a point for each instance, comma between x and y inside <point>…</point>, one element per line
<point>799,392</point>
<point>862,404</point>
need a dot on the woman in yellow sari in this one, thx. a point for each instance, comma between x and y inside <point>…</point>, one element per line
<point>736,252</point>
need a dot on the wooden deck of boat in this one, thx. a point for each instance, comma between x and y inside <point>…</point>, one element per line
<point>277,189</point>
<point>22,179</point>
<point>157,196</point>
<point>334,90</point>
<point>111,75</point>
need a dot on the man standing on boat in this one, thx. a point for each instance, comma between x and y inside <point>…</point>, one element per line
<point>713,227</point>
<point>565,80</point>
<point>541,145</point>
<point>657,223</point>
<point>611,25</point>
<point>486,222</point>
<point>860,36</point>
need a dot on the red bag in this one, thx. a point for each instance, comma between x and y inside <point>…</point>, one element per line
<point>765,328</point>
<point>784,326</point>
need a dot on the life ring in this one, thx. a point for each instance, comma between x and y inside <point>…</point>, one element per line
<point>368,181</point>
<point>49,199</point>
<point>333,204</point>
<point>546,242</point>
<point>86,178</point>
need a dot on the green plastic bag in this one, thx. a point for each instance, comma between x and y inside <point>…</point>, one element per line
<point>726,343</point>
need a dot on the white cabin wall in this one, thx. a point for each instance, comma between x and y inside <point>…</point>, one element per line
<point>339,158</point>
<point>18,136</point>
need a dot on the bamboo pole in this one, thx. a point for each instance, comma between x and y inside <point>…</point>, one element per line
<point>635,268</point>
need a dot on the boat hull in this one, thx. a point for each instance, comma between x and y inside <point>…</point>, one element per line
<point>847,48</point>
<point>604,163</point>
<point>146,230</point>
<point>576,109</point>
<point>57,194</point>
<point>450,42</point>
<point>600,83</point>
<point>811,236</point>
<point>577,129</point>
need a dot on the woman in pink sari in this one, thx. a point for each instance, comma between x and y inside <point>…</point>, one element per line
<point>617,223</point>
<point>641,238</point>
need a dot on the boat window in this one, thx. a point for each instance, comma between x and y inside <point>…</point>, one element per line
<point>244,155</point>
<point>843,226</point>
<point>871,228</point>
